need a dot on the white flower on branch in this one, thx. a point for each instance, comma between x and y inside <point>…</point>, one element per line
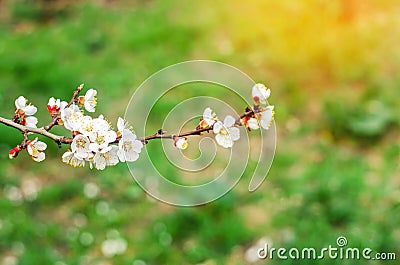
<point>71,117</point>
<point>100,124</point>
<point>30,121</point>
<point>72,159</point>
<point>260,93</point>
<point>250,123</point>
<point>25,112</point>
<point>253,124</point>
<point>266,117</point>
<point>129,147</point>
<point>54,106</point>
<point>225,132</point>
<point>21,104</point>
<point>80,146</point>
<point>121,125</point>
<point>91,100</point>
<point>209,118</point>
<point>181,143</point>
<point>86,125</point>
<point>101,135</point>
<point>106,157</point>
<point>35,149</point>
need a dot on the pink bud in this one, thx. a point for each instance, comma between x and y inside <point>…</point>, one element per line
<point>181,142</point>
<point>14,152</point>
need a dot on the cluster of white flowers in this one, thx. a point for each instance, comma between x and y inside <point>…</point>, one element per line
<point>24,115</point>
<point>227,132</point>
<point>265,115</point>
<point>93,137</point>
<point>24,112</point>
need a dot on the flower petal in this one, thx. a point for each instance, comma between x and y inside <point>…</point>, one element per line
<point>207,114</point>
<point>131,156</point>
<point>20,102</point>
<point>137,146</point>
<point>30,110</point>
<point>229,121</point>
<point>31,121</point>
<point>66,157</point>
<point>120,124</point>
<point>224,140</point>
<point>99,161</point>
<point>267,117</point>
<point>111,136</point>
<point>234,133</point>
<point>52,102</point>
<point>260,91</point>
<point>41,146</point>
<point>121,155</point>
<point>63,104</point>
<point>253,124</point>
<point>40,157</point>
<point>217,127</point>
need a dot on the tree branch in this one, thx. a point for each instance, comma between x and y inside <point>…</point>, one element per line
<point>67,140</point>
<point>41,131</point>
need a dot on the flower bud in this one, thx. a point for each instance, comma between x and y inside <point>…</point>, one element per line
<point>81,101</point>
<point>181,143</point>
<point>14,152</point>
<point>79,88</point>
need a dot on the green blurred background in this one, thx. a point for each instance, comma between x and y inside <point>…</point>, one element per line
<point>333,70</point>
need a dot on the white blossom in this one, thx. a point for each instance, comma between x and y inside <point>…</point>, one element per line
<point>106,158</point>
<point>35,149</point>
<point>253,124</point>
<point>267,117</point>
<point>25,112</point>
<point>21,104</point>
<point>129,147</point>
<point>99,139</point>
<point>100,124</point>
<point>101,134</point>
<point>55,105</point>
<point>30,121</point>
<point>72,159</point>
<point>181,142</point>
<point>90,100</point>
<point>260,92</point>
<point>209,118</point>
<point>71,117</point>
<point>86,125</point>
<point>80,146</point>
<point>121,125</point>
<point>225,132</point>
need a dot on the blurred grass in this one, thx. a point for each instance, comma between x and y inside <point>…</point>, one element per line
<point>332,70</point>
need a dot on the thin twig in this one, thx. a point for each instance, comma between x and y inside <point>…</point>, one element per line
<point>55,119</point>
<point>41,131</point>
